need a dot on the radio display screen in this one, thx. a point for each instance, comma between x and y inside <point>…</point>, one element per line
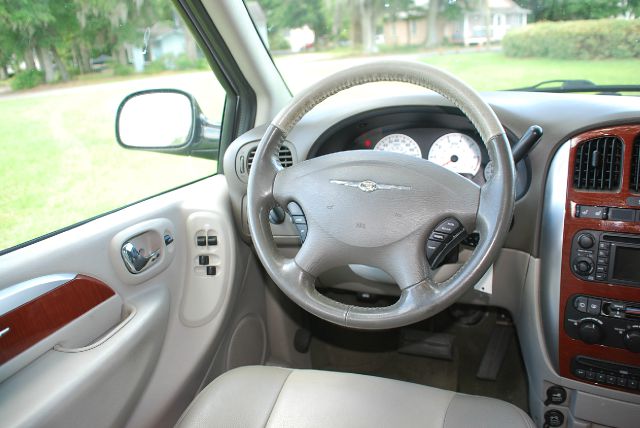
<point>627,264</point>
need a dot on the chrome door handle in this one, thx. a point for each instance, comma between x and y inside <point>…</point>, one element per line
<point>136,260</point>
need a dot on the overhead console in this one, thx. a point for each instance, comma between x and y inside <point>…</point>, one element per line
<point>599,337</point>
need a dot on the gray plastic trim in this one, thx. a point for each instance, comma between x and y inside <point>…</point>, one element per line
<point>551,248</point>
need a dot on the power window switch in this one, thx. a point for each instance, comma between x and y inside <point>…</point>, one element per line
<point>212,240</point>
<point>211,270</point>
<point>203,260</point>
<point>201,241</point>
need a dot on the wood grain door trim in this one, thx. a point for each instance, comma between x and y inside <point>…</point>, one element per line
<point>42,316</point>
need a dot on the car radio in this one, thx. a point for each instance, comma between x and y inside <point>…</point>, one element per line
<point>606,257</point>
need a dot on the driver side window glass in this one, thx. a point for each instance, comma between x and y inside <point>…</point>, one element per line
<point>65,67</point>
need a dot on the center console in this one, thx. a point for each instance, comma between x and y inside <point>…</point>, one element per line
<point>599,328</point>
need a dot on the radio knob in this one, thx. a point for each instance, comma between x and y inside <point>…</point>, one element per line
<point>586,241</point>
<point>583,267</point>
<point>632,340</point>
<point>590,332</point>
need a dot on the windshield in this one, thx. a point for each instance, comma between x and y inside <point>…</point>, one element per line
<point>490,44</point>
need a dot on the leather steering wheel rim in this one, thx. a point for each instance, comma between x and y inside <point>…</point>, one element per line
<point>394,242</point>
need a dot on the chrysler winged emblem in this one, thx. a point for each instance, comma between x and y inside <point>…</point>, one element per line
<point>368,186</point>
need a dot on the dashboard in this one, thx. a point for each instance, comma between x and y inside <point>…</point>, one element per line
<point>440,135</point>
<point>534,277</point>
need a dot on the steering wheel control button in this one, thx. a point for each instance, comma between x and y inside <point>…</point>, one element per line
<point>446,236</point>
<point>437,236</point>
<point>302,231</point>
<point>450,226</point>
<point>294,209</point>
<point>203,260</point>
<point>298,219</point>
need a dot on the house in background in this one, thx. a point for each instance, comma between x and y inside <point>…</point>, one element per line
<point>410,28</point>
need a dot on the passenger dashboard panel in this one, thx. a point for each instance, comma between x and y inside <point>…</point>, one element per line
<point>599,331</point>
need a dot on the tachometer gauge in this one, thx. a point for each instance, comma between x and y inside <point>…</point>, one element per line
<point>456,152</point>
<point>399,143</point>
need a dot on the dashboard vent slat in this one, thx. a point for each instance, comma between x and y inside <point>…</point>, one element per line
<point>634,182</point>
<point>284,156</point>
<point>598,164</point>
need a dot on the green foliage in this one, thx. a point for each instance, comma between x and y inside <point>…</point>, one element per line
<point>605,38</point>
<point>26,79</point>
<point>565,10</point>
<point>122,70</point>
<point>283,14</point>
<point>159,65</point>
<point>277,42</point>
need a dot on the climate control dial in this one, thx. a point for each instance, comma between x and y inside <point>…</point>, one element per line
<point>632,340</point>
<point>590,331</point>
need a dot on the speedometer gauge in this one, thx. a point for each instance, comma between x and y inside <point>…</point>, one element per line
<point>456,152</point>
<point>399,143</point>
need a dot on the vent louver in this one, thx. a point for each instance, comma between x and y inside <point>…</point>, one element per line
<point>284,156</point>
<point>634,182</point>
<point>598,164</point>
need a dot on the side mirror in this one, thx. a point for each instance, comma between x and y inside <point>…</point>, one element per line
<point>166,121</point>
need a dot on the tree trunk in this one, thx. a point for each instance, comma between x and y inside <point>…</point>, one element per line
<point>85,58</point>
<point>487,22</point>
<point>62,69</point>
<point>356,25</point>
<point>120,54</point>
<point>29,61</point>
<point>432,24</point>
<point>46,65</point>
<point>368,26</point>
<point>336,26</point>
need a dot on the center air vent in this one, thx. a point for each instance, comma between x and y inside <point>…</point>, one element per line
<point>634,182</point>
<point>598,164</point>
<point>284,156</point>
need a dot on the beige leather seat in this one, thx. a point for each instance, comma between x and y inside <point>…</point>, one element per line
<point>261,396</point>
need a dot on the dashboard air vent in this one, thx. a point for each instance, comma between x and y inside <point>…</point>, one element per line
<point>598,164</point>
<point>284,156</point>
<point>634,182</point>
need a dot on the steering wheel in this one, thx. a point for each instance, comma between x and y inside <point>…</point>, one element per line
<point>381,209</point>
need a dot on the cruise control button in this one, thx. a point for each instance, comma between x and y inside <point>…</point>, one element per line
<point>299,219</point>
<point>593,306</point>
<point>294,209</point>
<point>449,225</point>
<point>432,247</point>
<point>581,303</point>
<point>437,236</point>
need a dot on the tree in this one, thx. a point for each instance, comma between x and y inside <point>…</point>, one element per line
<point>286,14</point>
<point>566,10</point>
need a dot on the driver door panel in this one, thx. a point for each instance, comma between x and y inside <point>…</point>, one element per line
<point>102,341</point>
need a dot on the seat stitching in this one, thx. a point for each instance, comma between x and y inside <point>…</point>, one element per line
<point>277,397</point>
<point>446,411</point>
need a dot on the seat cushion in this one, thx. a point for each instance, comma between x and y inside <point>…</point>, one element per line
<point>260,396</point>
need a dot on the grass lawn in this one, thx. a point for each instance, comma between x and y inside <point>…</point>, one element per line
<point>487,71</point>
<point>60,163</point>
